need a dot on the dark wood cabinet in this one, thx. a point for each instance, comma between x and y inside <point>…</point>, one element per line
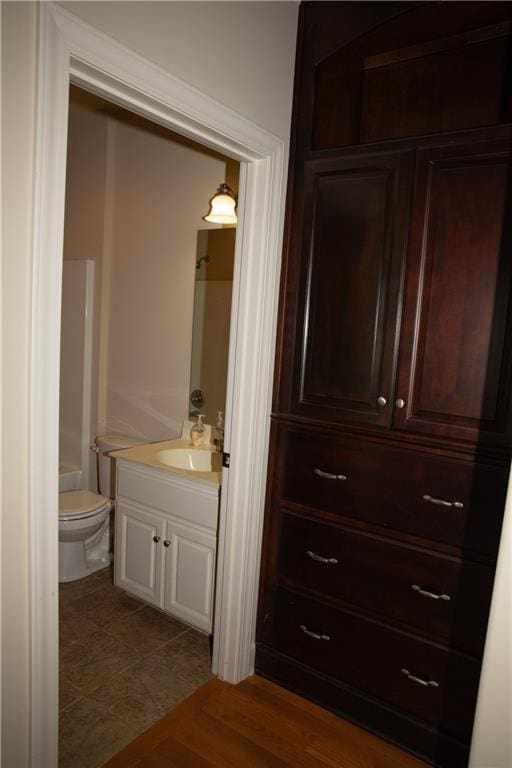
<point>354,238</point>
<point>379,660</point>
<point>391,427</point>
<point>456,351</point>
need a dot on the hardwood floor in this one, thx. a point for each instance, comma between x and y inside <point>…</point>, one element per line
<point>256,724</point>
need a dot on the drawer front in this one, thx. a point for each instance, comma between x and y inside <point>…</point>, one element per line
<point>441,596</point>
<point>440,499</point>
<point>421,678</point>
<point>187,502</point>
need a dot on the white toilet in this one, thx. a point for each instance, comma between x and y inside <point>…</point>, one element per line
<point>84,518</point>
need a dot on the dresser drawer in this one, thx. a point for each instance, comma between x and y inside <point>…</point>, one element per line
<point>456,502</point>
<point>421,678</point>
<point>444,597</point>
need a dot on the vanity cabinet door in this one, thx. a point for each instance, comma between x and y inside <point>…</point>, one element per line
<point>189,575</point>
<point>139,560</point>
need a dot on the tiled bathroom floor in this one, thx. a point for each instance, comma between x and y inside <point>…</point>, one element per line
<point>123,665</point>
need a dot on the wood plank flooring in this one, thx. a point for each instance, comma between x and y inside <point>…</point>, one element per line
<point>256,724</point>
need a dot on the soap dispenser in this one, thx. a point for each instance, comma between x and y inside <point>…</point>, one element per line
<point>198,431</point>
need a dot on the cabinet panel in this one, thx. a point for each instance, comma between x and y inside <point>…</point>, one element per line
<point>455,358</point>
<point>441,596</point>
<point>138,557</point>
<point>189,501</point>
<point>190,576</point>
<point>441,499</point>
<point>375,658</point>
<point>158,559</point>
<point>355,217</point>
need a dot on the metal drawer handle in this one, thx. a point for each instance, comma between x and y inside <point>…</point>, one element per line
<point>313,634</point>
<point>320,559</point>
<point>167,543</point>
<point>156,539</point>
<point>328,475</point>
<point>426,593</point>
<point>443,503</point>
<point>419,680</point>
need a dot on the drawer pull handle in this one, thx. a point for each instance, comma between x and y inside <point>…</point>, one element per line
<point>329,475</point>
<point>426,593</point>
<point>320,559</point>
<point>167,543</point>
<point>314,635</point>
<point>442,503</point>
<point>156,539</point>
<point>419,680</point>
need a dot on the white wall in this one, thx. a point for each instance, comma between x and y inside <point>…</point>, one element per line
<point>492,736</point>
<point>18,122</point>
<point>161,191</point>
<point>240,53</point>
<point>135,197</point>
<point>85,226</point>
<point>85,178</point>
<point>76,367</point>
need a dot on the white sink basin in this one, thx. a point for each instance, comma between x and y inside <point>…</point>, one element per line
<point>194,459</point>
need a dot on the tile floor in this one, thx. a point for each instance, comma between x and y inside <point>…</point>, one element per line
<point>123,665</point>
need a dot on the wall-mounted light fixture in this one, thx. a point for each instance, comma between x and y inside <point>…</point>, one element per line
<point>222,206</point>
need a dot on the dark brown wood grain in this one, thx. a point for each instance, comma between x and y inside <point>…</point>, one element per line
<point>351,702</point>
<point>396,283</point>
<point>437,69</point>
<point>256,724</point>
<point>385,578</point>
<point>354,234</point>
<point>372,656</point>
<point>455,358</point>
<point>387,486</point>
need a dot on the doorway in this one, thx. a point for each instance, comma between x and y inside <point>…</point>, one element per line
<point>72,51</point>
<point>135,196</point>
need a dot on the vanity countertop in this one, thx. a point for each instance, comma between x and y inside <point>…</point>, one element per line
<point>147,454</point>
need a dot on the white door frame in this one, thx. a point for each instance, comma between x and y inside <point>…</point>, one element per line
<point>72,51</point>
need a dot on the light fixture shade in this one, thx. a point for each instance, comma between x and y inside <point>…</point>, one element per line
<point>222,207</point>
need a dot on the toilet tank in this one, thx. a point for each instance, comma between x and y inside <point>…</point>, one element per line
<point>105,444</point>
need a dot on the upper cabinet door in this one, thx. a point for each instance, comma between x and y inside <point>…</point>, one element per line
<point>354,228</point>
<point>455,356</point>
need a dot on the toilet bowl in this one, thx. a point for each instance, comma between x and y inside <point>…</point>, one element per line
<point>84,518</point>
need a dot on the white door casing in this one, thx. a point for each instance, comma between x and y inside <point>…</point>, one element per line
<point>72,51</point>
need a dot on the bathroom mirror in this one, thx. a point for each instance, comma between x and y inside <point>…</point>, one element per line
<point>212,314</point>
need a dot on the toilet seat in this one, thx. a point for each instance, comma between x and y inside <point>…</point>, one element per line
<point>79,505</point>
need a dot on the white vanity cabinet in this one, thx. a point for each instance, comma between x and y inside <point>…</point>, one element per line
<point>166,540</point>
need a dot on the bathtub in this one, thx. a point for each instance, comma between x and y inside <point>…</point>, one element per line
<point>69,477</point>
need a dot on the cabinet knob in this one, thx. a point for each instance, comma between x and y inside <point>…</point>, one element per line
<point>381,400</point>
<point>167,543</point>
<point>399,403</point>
<point>156,539</point>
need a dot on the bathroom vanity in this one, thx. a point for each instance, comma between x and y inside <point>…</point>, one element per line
<point>166,528</point>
